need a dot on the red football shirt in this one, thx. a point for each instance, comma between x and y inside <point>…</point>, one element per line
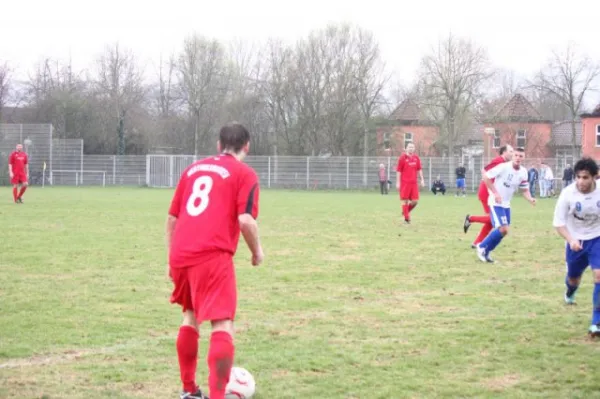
<point>483,191</point>
<point>209,197</point>
<point>18,160</point>
<point>408,166</point>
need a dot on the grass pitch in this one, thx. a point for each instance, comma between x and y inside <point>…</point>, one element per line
<point>349,303</point>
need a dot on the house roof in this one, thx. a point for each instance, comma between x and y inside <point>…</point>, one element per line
<point>561,133</point>
<point>408,110</point>
<point>518,108</point>
<point>594,114</point>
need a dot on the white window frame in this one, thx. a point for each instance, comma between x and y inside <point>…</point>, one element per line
<point>496,137</point>
<point>407,141</point>
<point>597,135</point>
<point>524,137</point>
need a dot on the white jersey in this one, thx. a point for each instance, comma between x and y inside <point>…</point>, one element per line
<point>580,213</point>
<point>507,181</point>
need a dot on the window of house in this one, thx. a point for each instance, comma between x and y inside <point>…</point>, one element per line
<point>408,138</point>
<point>497,138</point>
<point>521,138</point>
<point>386,141</point>
<point>597,135</point>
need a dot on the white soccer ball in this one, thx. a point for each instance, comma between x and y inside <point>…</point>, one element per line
<point>241,384</point>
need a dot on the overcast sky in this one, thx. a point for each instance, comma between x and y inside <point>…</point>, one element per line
<point>519,34</point>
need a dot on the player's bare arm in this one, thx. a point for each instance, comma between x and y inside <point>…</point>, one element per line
<point>527,195</point>
<point>490,186</point>
<point>169,227</point>
<point>398,176</point>
<point>422,178</point>
<point>564,233</point>
<point>10,171</point>
<point>249,229</point>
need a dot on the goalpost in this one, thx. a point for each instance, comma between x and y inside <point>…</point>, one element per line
<point>78,177</point>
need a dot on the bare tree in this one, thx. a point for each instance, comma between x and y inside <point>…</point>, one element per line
<point>120,83</point>
<point>5,86</point>
<point>204,79</point>
<point>451,80</point>
<point>568,76</point>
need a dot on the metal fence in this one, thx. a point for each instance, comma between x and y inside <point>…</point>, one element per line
<point>67,165</point>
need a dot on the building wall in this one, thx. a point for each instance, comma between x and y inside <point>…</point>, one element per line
<point>589,131</point>
<point>537,138</point>
<point>423,138</point>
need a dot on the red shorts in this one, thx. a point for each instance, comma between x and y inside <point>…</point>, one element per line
<point>208,288</point>
<point>19,178</point>
<point>409,191</point>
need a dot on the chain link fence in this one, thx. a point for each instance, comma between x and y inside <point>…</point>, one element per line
<point>62,162</point>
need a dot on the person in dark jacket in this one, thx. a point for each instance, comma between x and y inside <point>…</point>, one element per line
<point>567,176</point>
<point>533,177</point>
<point>438,186</point>
<point>461,174</point>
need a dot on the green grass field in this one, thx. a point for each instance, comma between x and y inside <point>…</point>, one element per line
<point>349,303</point>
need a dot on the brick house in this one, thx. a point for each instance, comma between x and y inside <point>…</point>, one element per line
<point>517,123</point>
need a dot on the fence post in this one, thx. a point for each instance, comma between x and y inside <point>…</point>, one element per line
<point>148,170</point>
<point>429,185</point>
<point>171,170</point>
<point>81,162</point>
<point>115,169</point>
<point>307,172</point>
<point>347,172</point>
<point>269,173</point>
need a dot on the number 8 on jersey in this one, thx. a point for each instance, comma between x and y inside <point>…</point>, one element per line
<point>199,198</point>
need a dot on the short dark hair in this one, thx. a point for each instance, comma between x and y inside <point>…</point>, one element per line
<point>502,149</point>
<point>520,149</point>
<point>233,137</point>
<point>586,163</point>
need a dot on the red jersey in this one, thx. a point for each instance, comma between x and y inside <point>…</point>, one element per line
<point>18,160</point>
<point>209,197</point>
<point>408,166</point>
<point>483,191</point>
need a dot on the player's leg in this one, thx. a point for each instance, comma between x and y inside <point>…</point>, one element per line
<point>188,335</point>
<point>414,197</point>
<point>24,184</point>
<point>405,200</point>
<point>593,252</point>
<point>216,300</point>
<point>501,219</point>
<point>15,192</point>
<point>576,263</point>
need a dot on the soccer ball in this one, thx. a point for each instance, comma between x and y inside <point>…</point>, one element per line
<point>241,384</point>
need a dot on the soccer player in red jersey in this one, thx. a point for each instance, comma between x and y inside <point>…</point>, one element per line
<point>216,199</point>
<point>18,170</point>
<point>409,164</point>
<point>506,153</point>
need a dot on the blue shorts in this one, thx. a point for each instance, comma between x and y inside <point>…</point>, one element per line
<point>460,183</point>
<point>589,255</point>
<point>500,216</point>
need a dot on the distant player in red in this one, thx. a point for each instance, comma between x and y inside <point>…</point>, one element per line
<point>216,199</point>
<point>409,164</point>
<point>506,153</point>
<point>18,170</point>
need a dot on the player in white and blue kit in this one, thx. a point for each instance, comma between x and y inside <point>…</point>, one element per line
<point>577,220</point>
<point>507,177</point>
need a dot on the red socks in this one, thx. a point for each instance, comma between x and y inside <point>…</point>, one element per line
<point>23,188</point>
<point>220,361</point>
<point>15,194</point>
<point>187,352</point>
<point>479,219</point>
<point>405,211</point>
<point>485,230</point>
<point>411,207</point>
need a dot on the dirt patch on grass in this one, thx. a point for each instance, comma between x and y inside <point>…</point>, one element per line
<point>502,382</point>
